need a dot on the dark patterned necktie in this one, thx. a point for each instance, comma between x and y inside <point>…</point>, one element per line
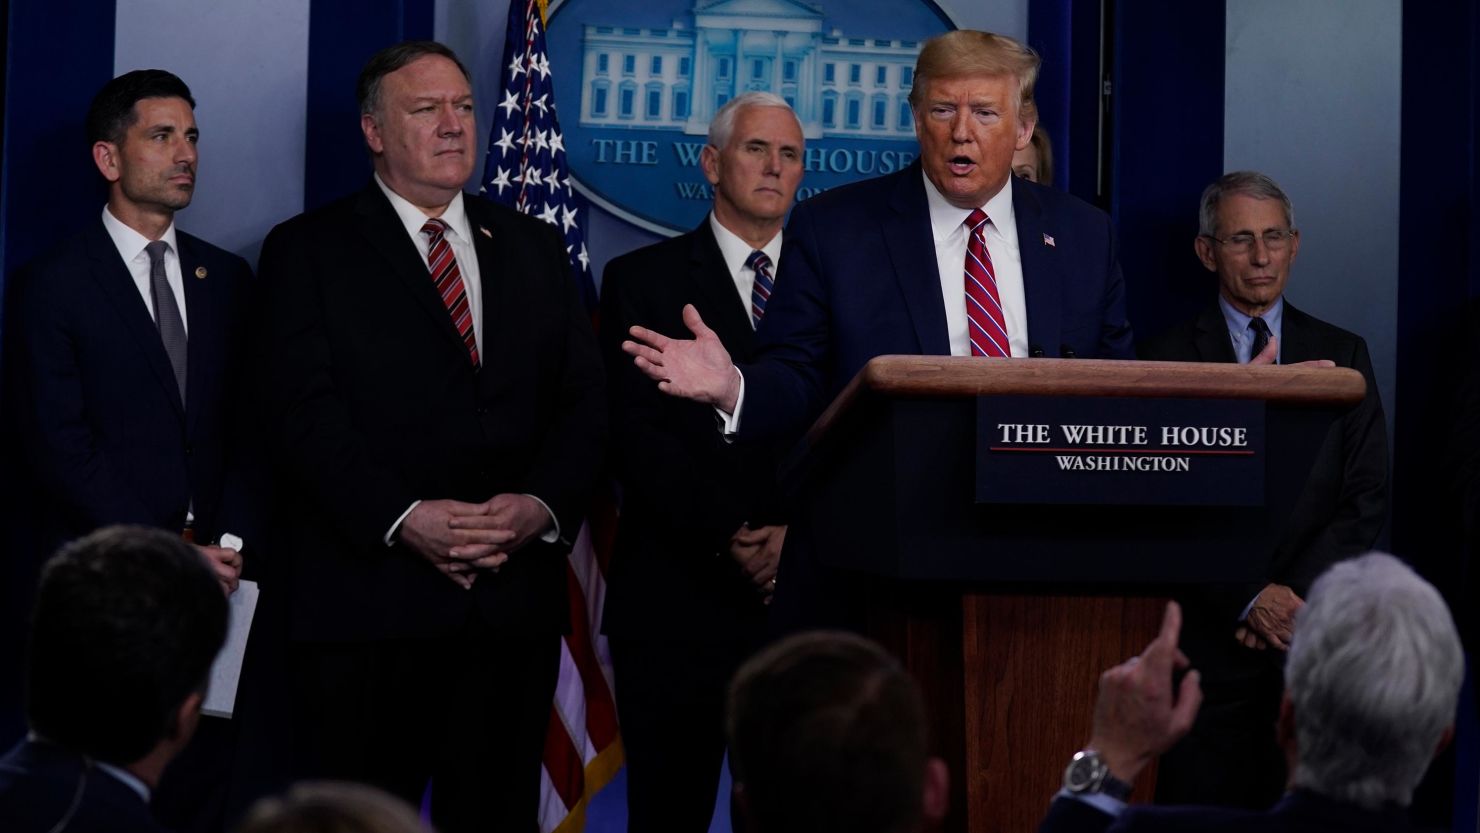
<point>1261,337</point>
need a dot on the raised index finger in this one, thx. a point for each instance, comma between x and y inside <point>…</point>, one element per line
<point>1163,649</point>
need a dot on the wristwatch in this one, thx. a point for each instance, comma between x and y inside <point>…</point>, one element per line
<point>1087,773</point>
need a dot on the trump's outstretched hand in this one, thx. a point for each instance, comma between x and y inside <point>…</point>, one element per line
<point>699,368</point>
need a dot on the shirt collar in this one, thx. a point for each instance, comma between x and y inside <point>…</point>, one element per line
<point>736,251</point>
<point>947,219</point>
<point>413,218</point>
<point>129,779</point>
<point>1238,323</point>
<point>129,242</point>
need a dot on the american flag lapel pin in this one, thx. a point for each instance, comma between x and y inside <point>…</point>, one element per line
<point>1048,240</point>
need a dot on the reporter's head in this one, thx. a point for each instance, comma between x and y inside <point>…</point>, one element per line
<point>1371,683</point>
<point>828,732</point>
<point>126,624</point>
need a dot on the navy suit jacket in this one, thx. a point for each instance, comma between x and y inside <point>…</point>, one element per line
<point>858,279</point>
<point>685,490</point>
<point>39,784</point>
<point>92,400</point>
<point>1297,812</point>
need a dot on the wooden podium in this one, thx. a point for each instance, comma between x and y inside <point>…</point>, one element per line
<point>1007,614</point>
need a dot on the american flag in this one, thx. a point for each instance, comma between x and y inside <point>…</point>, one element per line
<point>527,170</point>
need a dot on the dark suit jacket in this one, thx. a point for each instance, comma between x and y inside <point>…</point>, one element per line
<point>39,783</point>
<point>858,279</point>
<point>92,400</point>
<point>1344,505</point>
<point>1297,812</point>
<point>685,491</point>
<point>371,404</point>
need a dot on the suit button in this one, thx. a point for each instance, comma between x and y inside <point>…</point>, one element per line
<point>481,411</point>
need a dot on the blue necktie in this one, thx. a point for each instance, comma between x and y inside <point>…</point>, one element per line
<point>760,291</point>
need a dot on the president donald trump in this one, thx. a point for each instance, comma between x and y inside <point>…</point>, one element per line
<point>949,256</point>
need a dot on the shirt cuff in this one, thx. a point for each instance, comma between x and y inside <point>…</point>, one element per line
<point>1107,804</point>
<point>730,423</point>
<point>1244,617</point>
<point>390,534</point>
<point>554,534</point>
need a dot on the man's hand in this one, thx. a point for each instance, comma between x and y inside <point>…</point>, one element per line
<point>226,562</point>
<point>455,551</point>
<point>1245,635</point>
<point>699,369</point>
<point>1138,714</point>
<point>1272,616</point>
<point>517,517</point>
<point>758,552</point>
<point>1271,351</point>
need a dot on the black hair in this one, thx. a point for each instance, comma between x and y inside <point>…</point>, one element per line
<point>392,58</point>
<point>112,112</point>
<point>127,623</point>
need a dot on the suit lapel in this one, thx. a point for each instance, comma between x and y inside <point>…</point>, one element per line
<point>712,282</point>
<point>911,244</point>
<point>1042,283</point>
<point>498,299</point>
<point>113,278</point>
<point>1296,344</point>
<point>383,231</point>
<point>206,320</point>
<point>1212,342</point>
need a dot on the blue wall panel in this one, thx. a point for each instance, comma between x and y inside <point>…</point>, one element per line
<point>51,74</point>
<point>1167,144</point>
<point>342,35</point>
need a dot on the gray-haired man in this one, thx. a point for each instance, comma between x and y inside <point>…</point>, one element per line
<point>1371,685</point>
<point>700,538</point>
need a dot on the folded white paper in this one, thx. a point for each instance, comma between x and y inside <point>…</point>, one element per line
<point>226,672</point>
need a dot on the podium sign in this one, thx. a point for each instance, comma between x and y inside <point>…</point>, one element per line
<point>1119,451</point>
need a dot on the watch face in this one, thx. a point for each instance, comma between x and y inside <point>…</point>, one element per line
<point>1083,773</point>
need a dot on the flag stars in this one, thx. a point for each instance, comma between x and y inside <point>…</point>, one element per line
<point>540,103</point>
<point>500,181</point>
<point>516,67</point>
<point>505,141</point>
<point>549,215</point>
<point>510,104</point>
<point>557,142</point>
<point>584,258</point>
<point>541,142</point>
<point>567,219</point>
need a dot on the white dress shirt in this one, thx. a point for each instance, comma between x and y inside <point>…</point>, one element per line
<point>948,228</point>
<point>735,252</point>
<point>130,245</point>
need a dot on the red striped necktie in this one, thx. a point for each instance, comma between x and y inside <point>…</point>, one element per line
<point>985,324</point>
<point>448,279</point>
